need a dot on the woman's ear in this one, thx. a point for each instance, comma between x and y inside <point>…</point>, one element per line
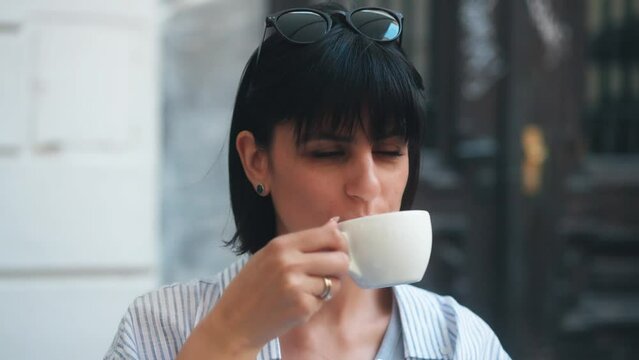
<point>254,161</point>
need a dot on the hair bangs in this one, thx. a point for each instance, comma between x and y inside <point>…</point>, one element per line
<point>346,82</point>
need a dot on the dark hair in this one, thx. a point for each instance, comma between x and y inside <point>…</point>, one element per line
<point>326,83</point>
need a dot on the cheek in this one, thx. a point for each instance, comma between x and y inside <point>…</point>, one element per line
<point>297,187</point>
<point>397,184</point>
<point>310,188</point>
<point>303,196</point>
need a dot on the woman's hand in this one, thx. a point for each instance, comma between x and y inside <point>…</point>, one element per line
<point>277,290</point>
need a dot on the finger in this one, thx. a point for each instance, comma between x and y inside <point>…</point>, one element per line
<point>323,238</point>
<point>325,263</point>
<point>325,287</point>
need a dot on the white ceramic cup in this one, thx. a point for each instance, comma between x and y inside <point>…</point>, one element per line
<point>388,249</point>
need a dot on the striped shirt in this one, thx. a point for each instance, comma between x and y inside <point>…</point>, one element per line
<point>157,324</point>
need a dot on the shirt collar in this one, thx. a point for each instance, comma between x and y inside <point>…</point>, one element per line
<point>423,324</point>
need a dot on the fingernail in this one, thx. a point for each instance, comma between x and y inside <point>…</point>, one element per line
<point>335,219</point>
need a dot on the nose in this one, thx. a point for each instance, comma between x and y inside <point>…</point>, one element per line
<point>363,180</point>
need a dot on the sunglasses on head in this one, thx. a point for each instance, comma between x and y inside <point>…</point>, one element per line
<point>306,26</point>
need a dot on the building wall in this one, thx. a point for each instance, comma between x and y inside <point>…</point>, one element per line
<point>113,124</point>
<point>79,156</point>
<point>205,45</point>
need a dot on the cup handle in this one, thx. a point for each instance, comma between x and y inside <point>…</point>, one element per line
<point>352,265</point>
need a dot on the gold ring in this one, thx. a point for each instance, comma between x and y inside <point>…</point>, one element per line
<point>328,286</point>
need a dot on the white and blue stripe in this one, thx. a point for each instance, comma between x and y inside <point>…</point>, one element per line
<point>157,324</point>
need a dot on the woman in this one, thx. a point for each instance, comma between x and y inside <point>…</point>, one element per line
<point>325,128</point>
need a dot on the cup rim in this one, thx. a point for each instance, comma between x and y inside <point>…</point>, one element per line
<point>390,213</point>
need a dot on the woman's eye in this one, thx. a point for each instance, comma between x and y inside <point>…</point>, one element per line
<point>390,153</point>
<point>390,148</point>
<point>327,154</point>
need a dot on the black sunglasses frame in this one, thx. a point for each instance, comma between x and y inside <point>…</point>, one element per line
<point>271,21</point>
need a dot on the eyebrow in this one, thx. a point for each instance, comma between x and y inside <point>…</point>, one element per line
<point>344,138</point>
<point>330,137</point>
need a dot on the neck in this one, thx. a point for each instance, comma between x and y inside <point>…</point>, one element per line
<point>351,325</point>
<point>352,305</point>
<point>353,301</point>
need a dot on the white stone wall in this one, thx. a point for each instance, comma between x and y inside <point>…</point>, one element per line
<point>114,118</point>
<point>79,165</point>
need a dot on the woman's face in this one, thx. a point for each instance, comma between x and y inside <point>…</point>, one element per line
<point>333,174</point>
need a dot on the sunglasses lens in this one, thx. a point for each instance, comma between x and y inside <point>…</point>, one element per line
<point>376,24</point>
<point>302,26</point>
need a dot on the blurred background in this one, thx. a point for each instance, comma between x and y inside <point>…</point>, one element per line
<point>113,180</point>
